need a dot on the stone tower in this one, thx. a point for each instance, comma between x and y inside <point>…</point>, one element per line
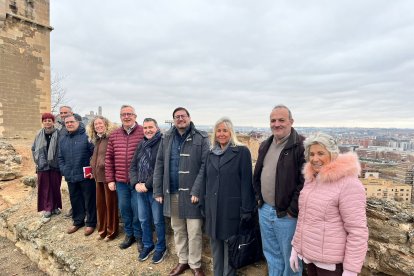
<point>24,66</point>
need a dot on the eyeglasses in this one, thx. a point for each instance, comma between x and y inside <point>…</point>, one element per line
<point>177,117</point>
<point>127,114</point>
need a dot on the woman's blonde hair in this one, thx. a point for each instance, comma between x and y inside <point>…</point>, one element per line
<point>91,129</point>
<point>233,138</point>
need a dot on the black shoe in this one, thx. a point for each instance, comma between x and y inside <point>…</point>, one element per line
<point>159,256</point>
<point>140,245</point>
<point>128,241</point>
<point>145,253</point>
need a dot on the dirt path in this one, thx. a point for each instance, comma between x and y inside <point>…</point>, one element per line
<point>14,262</point>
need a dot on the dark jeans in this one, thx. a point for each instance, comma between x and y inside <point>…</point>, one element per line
<point>127,201</point>
<point>313,270</point>
<point>150,211</point>
<point>83,200</point>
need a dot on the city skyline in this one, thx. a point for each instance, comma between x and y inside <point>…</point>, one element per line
<point>334,64</point>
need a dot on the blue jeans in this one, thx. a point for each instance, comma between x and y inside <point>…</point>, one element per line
<point>277,234</point>
<point>149,211</point>
<point>127,202</point>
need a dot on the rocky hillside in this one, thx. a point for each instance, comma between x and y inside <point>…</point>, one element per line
<point>391,238</point>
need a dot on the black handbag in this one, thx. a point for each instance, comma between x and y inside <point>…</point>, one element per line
<point>245,248</point>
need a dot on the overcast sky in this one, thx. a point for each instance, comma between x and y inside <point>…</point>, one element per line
<point>334,63</point>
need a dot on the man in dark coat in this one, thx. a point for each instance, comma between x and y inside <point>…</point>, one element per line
<point>178,179</point>
<point>75,152</point>
<point>277,182</point>
<point>141,175</point>
<point>65,111</point>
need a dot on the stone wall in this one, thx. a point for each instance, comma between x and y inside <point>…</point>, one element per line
<point>391,238</point>
<point>24,66</point>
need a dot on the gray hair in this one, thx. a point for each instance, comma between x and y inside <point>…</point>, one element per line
<point>126,106</point>
<point>285,107</point>
<point>66,106</point>
<point>323,139</point>
<point>233,138</point>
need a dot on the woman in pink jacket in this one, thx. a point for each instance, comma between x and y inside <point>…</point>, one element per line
<point>331,235</point>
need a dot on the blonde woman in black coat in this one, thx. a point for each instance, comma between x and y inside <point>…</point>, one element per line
<point>228,193</point>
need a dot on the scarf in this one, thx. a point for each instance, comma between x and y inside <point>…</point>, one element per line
<point>145,157</point>
<point>40,143</point>
<point>217,150</point>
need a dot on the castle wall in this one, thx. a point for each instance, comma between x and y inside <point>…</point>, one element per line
<point>24,66</point>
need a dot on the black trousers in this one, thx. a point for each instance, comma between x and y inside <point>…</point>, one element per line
<point>83,200</point>
<point>313,270</point>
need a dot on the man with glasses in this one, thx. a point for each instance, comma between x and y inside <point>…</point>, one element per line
<point>178,177</point>
<point>75,151</point>
<point>121,147</point>
<point>66,111</point>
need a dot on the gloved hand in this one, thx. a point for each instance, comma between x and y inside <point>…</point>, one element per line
<point>246,221</point>
<point>349,273</point>
<point>294,260</point>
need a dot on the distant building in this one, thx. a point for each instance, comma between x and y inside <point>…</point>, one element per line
<point>386,189</point>
<point>88,117</point>
<point>404,174</point>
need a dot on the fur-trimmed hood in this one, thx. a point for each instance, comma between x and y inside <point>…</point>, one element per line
<point>344,165</point>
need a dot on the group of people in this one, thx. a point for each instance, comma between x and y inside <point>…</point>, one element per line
<point>309,201</point>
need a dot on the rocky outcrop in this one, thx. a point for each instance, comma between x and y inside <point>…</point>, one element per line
<point>30,180</point>
<point>10,162</point>
<point>391,238</point>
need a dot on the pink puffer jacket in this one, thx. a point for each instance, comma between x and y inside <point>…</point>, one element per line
<point>332,224</point>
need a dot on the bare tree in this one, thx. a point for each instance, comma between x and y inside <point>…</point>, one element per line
<point>58,93</point>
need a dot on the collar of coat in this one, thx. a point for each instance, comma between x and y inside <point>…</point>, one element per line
<point>344,165</point>
<point>293,140</point>
<point>80,130</point>
<point>218,161</point>
<point>193,130</point>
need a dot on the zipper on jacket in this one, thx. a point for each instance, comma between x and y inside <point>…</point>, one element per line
<point>303,220</point>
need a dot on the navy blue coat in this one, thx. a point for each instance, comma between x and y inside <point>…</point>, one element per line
<point>75,152</point>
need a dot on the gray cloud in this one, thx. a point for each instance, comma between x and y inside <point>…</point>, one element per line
<point>335,63</point>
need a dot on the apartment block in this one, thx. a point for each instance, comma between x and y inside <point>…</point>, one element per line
<point>386,189</point>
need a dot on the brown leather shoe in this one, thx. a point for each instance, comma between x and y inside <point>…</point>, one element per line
<point>89,230</point>
<point>179,269</point>
<point>73,229</point>
<point>198,272</point>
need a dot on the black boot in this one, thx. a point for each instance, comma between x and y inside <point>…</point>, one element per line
<point>128,241</point>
